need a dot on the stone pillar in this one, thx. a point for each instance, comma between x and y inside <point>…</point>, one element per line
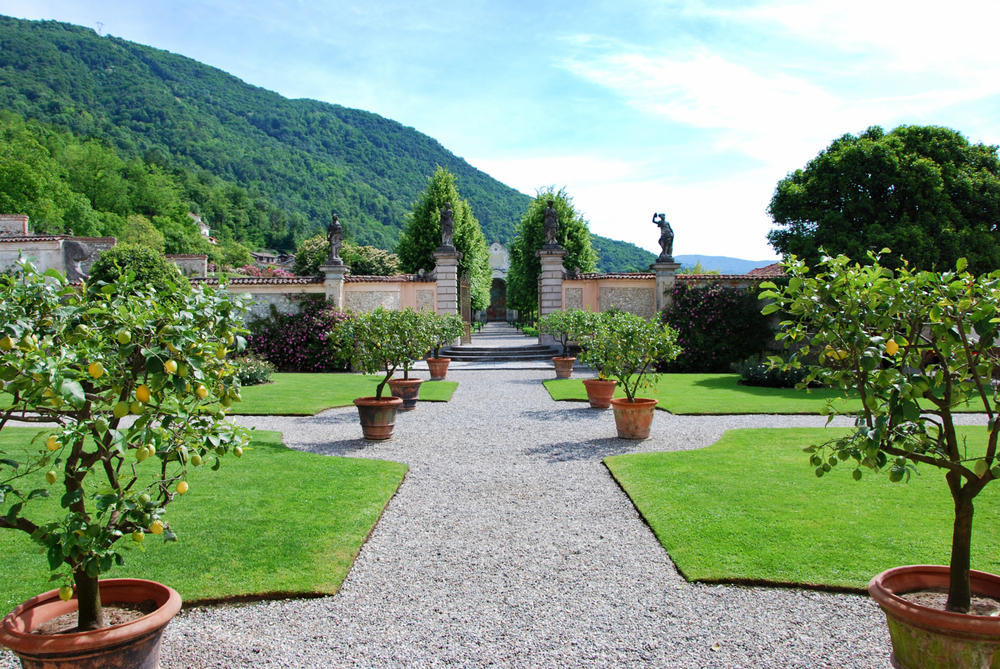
<point>446,272</point>
<point>334,283</point>
<point>550,284</point>
<point>665,276</point>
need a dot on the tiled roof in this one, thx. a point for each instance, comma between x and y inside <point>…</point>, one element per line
<point>616,275</point>
<point>772,270</point>
<point>727,277</point>
<point>20,239</point>
<point>397,278</point>
<point>259,280</point>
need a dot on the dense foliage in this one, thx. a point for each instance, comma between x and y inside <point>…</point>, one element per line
<point>303,156</point>
<point>363,260</point>
<point>525,266</point>
<point>617,256</point>
<point>926,193</point>
<point>382,341</point>
<point>567,326</point>
<point>297,341</point>
<point>914,346</point>
<point>758,370</point>
<point>148,266</point>
<point>716,326</point>
<point>253,371</point>
<point>82,362</point>
<point>445,329</point>
<point>422,236</point>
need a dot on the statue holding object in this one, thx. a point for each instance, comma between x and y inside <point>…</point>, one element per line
<point>666,238</point>
<point>335,235</point>
<point>447,226</point>
<point>551,225</point>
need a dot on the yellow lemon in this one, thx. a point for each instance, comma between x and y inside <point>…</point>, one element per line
<point>96,370</point>
<point>142,393</point>
<point>156,527</point>
<point>891,347</point>
<point>138,536</point>
<point>170,366</point>
<point>196,460</point>
<point>173,349</point>
<point>121,410</point>
<point>50,477</point>
<point>182,487</point>
<point>124,337</point>
<point>135,407</point>
<point>6,344</point>
<point>201,391</point>
<point>141,454</point>
<point>238,452</point>
<point>52,443</point>
<point>65,593</point>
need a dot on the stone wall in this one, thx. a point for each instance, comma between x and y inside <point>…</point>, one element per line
<point>190,264</point>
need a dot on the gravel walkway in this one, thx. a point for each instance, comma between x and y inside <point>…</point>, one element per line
<point>510,545</point>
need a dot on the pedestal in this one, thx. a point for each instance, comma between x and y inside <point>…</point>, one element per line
<point>666,274</point>
<point>334,283</point>
<point>550,284</point>
<point>446,271</point>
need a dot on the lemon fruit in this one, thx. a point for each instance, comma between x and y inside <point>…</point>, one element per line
<point>891,347</point>
<point>124,337</point>
<point>201,391</point>
<point>138,536</point>
<point>142,393</point>
<point>156,527</point>
<point>141,454</point>
<point>182,487</point>
<point>238,452</point>
<point>121,410</point>
<point>50,477</point>
<point>65,593</point>
<point>135,407</point>
<point>6,344</point>
<point>170,366</point>
<point>196,460</point>
<point>96,370</point>
<point>52,443</point>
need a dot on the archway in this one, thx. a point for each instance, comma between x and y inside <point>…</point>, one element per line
<point>497,310</point>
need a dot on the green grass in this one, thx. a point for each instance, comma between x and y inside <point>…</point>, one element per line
<point>716,394</point>
<point>275,521</point>
<point>307,394</point>
<point>749,508</point>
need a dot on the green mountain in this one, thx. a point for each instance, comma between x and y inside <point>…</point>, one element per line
<point>297,160</point>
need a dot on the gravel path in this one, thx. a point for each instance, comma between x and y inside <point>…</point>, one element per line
<point>510,545</point>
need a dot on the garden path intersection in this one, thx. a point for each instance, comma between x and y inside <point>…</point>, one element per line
<point>509,544</point>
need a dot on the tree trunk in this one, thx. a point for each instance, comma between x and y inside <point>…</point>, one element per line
<point>88,595</point>
<point>959,588</point>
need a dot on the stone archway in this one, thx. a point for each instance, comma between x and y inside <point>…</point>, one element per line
<point>497,310</point>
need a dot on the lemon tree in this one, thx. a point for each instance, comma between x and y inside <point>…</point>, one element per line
<point>96,367</point>
<point>566,326</point>
<point>444,329</point>
<point>914,346</point>
<point>626,347</point>
<point>382,341</point>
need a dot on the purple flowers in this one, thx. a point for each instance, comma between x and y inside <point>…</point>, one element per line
<point>298,342</point>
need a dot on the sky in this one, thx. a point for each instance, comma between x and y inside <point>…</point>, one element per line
<point>693,109</point>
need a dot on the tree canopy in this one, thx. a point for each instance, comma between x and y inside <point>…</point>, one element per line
<point>525,266</point>
<point>924,192</point>
<point>422,236</point>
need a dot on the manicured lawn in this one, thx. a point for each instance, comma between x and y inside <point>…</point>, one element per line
<point>307,394</point>
<point>749,508</point>
<point>275,521</point>
<point>715,394</point>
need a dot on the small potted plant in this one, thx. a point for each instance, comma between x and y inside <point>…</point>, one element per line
<point>380,344</point>
<point>130,386</point>
<point>419,327</point>
<point>562,325</point>
<point>446,328</point>
<point>914,346</point>
<point>627,348</point>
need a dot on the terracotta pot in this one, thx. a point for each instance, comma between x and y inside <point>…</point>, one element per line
<point>133,645</point>
<point>600,392</point>
<point>438,367</point>
<point>407,390</point>
<point>924,638</point>
<point>378,417</point>
<point>564,367</point>
<point>633,418</point>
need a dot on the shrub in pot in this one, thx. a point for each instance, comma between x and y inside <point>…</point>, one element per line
<point>914,346</point>
<point>445,329</point>
<point>564,326</point>
<point>380,342</point>
<point>420,329</point>
<point>627,348</point>
<point>126,381</point>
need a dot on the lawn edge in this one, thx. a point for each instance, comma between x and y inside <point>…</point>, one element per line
<point>744,582</point>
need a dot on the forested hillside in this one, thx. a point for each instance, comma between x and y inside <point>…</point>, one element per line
<point>261,169</point>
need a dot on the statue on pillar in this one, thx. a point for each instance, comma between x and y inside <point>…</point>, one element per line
<point>447,226</point>
<point>666,238</point>
<point>335,235</point>
<point>551,225</point>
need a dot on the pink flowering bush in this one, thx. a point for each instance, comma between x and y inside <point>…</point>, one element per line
<point>716,326</point>
<point>267,272</point>
<point>298,342</point>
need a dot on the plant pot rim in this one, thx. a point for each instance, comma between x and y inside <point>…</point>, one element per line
<point>15,631</point>
<point>440,359</point>
<point>639,402</point>
<point>563,357</point>
<point>374,401</point>
<point>909,578</point>
<point>611,381</point>
<point>405,382</point>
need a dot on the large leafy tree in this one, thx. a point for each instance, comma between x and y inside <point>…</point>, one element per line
<point>525,266</point>
<point>422,236</point>
<point>926,193</point>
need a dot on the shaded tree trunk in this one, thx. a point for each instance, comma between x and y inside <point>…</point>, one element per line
<point>959,588</point>
<point>88,595</point>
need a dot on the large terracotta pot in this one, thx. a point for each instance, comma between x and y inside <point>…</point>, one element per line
<point>924,638</point>
<point>407,390</point>
<point>438,368</point>
<point>564,367</point>
<point>600,392</point>
<point>133,645</point>
<point>378,417</point>
<point>633,418</point>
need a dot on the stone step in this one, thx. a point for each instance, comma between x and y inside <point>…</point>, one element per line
<point>499,354</point>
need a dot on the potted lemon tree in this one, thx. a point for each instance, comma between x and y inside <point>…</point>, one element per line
<point>445,329</point>
<point>627,348</point>
<point>420,329</point>
<point>128,385</point>
<point>563,326</point>
<point>914,346</point>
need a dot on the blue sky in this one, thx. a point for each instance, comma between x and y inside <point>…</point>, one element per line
<point>695,109</point>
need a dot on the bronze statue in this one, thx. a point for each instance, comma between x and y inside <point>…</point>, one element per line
<point>447,225</point>
<point>335,235</point>
<point>666,238</point>
<point>551,225</point>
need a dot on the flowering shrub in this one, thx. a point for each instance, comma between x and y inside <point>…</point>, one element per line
<point>253,371</point>
<point>267,272</point>
<point>298,342</point>
<point>716,326</point>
